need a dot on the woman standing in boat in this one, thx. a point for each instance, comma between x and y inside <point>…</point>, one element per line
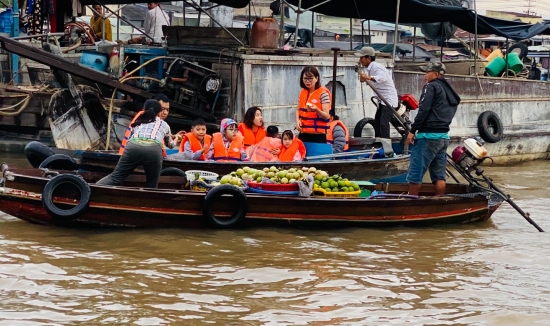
<point>252,128</point>
<point>312,114</point>
<point>144,148</point>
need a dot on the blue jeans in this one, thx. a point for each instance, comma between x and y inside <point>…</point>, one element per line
<point>428,154</point>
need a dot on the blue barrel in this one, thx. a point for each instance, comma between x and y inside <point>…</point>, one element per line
<point>6,20</point>
<point>94,60</point>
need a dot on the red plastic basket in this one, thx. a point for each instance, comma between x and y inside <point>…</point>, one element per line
<point>273,186</point>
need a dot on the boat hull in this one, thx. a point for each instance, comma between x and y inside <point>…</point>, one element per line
<point>21,197</point>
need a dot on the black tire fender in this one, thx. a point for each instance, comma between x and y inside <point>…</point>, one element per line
<point>172,171</point>
<point>75,211</point>
<point>358,130</point>
<point>36,153</point>
<point>59,162</point>
<point>214,194</point>
<point>521,47</point>
<point>490,127</point>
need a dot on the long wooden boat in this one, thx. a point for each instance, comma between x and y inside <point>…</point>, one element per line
<point>29,194</point>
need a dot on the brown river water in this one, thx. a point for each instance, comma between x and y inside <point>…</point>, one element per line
<point>491,273</point>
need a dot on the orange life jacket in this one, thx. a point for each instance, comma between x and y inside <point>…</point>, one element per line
<point>311,122</point>
<point>249,137</point>
<point>330,139</point>
<point>128,134</point>
<point>231,154</point>
<point>196,144</point>
<point>261,152</point>
<point>287,154</point>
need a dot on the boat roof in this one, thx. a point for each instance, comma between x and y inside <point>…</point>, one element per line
<point>410,12</point>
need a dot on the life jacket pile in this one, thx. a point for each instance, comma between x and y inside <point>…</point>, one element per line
<point>330,137</point>
<point>128,134</point>
<point>233,153</point>
<point>196,144</point>
<point>249,137</point>
<point>311,122</point>
<point>261,152</point>
<point>287,154</point>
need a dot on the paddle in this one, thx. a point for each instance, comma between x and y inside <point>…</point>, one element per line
<point>493,188</point>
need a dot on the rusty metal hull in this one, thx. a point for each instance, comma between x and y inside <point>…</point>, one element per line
<point>21,196</point>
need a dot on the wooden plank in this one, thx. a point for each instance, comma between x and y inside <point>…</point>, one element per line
<point>194,35</point>
<point>54,61</point>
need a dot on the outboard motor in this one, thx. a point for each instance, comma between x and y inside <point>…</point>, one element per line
<point>468,158</point>
<point>471,155</point>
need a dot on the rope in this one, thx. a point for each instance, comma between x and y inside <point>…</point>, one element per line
<point>363,100</point>
<point>109,120</point>
<point>24,102</point>
<point>469,195</point>
<point>121,80</point>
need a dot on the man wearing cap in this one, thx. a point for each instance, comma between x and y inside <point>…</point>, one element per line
<point>429,132</point>
<point>383,82</point>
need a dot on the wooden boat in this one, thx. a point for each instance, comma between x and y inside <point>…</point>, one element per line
<point>393,169</point>
<point>389,169</point>
<point>71,199</point>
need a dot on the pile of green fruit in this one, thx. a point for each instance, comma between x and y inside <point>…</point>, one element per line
<point>334,183</point>
<point>274,174</point>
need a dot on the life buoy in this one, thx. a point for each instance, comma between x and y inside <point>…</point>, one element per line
<point>490,127</point>
<point>36,153</point>
<point>172,171</point>
<point>358,130</point>
<point>59,162</point>
<point>238,197</point>
<point>74,211</point>
<point>520,48</point>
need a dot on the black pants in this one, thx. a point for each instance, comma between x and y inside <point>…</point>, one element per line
<point>147,155</point>
<point>382,120</point>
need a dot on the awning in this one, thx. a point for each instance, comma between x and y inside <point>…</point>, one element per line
<point>410,12</point>
<point>419,11</point>
<point>229,3</point>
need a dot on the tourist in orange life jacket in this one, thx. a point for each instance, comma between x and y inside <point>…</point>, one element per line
<point>267,149</point>
<point>170,140</point>
<point>144,148</point>
<point>293,149</point>
<point>228,144</point>
<point>252,128</point>
<point>197,142</point>
<point>337,135</point>
<point>312,114</point>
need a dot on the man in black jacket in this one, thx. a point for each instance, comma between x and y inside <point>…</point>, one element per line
<point>438,104</point>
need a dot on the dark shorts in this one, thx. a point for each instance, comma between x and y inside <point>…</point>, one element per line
<point>428,154</point>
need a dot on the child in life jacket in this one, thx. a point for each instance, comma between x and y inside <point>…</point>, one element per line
<point>267,150</point>
<point>292,149</point>
<point>196,144</point>
<point>228,144</point>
